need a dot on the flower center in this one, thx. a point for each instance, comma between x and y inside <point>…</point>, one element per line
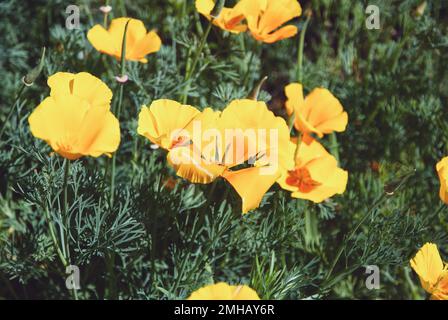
<point>180,141</point>
<point>301,179</point>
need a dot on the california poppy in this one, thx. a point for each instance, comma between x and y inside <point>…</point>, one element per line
<point>319,113</point>
<point>75,120</point>
<point>432,271</point>
<point>229,19</point>
<point>315,176</point>
<point>235,144</point>
<point>266,17</point>
<point>223,291</point>
<point>442,170</point>
<point>139,42</point>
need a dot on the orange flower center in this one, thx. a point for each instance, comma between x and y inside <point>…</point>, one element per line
<point>301,178</point>
<point>180,141</point>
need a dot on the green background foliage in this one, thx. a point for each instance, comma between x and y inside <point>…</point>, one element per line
<point>159,242</point>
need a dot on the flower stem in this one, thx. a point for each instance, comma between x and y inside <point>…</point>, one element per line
<point>189,72</point>
<point>118,111</point>
<point>106,15</point>
<point>334,146</point>
<point>246,75</point>
<point>65,211</point>
<point>55,241</point>
<point>65,206</point>
<point>299,70</point>
<point>300,51</point>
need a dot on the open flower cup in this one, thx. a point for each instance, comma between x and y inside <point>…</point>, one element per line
<point>245,144</point>
<point>75,120</point>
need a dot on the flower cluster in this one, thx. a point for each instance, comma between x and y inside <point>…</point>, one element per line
<point>245,144</point>
<point>262,18</point>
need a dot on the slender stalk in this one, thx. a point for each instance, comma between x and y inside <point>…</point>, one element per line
<point>65,203</point>
<point>55,241</point>
<point>66,219</point>
<point>118,111</point>
<point>110,260</point>
<point>246,75</point>
<point>191,70</point>
<point>11,111</point>
<point>106,15</point>
<point>300,51</point>
<point>299,141</point>
<point>299,73</point>
<point>334,148</point>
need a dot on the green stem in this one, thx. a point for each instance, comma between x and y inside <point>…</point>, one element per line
<point>299,141</point>
<point>55,241</point>
<point>299,72</point>
<point>300,52</point>
<point>11,111</point>
<point>105,15</point>
<point>118,111</point>
<point>65,204</point>
<point>65,210</point>
<point>334,148</point>
<point>246,75</point>
<point>191,70</point>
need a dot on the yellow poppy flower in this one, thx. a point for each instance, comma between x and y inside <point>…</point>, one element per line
<point>265,18</point>
<point>223,291</point>
<point>316,175</point>
<point>206,145</point>
<point>229,19</point>
<point>139,42</point>
<point>164,120</point>
<point>319,113</point>
<point>431,270</point>
<point>75,120</point>
<point>442,170</point>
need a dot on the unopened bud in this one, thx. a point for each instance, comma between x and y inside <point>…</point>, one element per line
<point>254,94</point>
<point>219,5</point>
<point>31,76</point>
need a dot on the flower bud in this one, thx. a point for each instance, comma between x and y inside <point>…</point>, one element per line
<point>219,5</point>
<point>31,76</point>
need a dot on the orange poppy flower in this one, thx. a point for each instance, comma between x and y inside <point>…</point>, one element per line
<point>206,145</point>
<point>319,113</point>
<point>229,19</point>
<point>432,271</point>
<point>315,176</point>
<point>139,42</point>
<point>75,120</point>
<point>265,18</point>
<point>442,170</point>
<point>223,291</point>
